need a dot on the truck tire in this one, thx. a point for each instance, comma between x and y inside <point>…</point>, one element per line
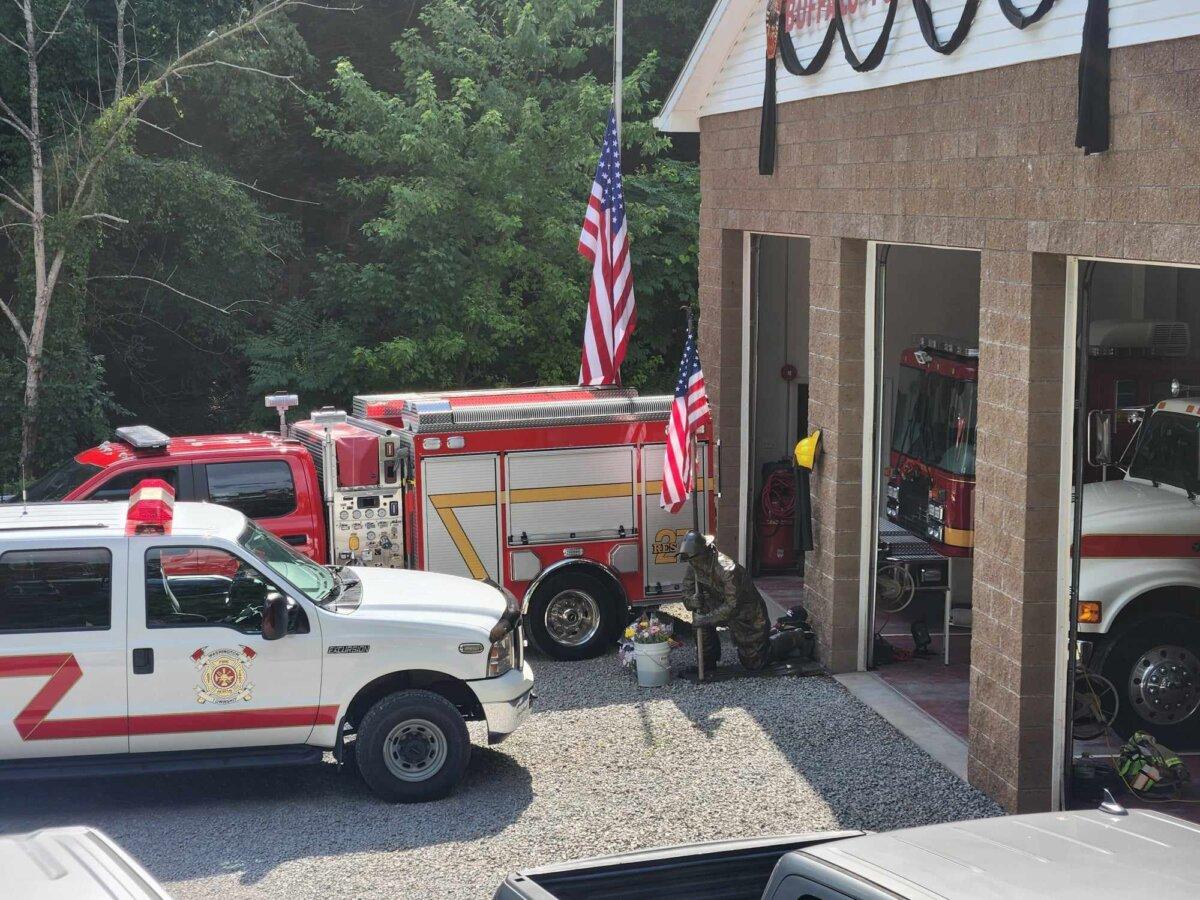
<point>1155,665</point>
<point>575,616</point>
<point>412,746</point>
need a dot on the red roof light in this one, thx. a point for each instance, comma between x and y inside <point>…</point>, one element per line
<point>151,508</point>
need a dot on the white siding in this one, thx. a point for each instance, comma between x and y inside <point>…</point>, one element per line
<point>992,42</point>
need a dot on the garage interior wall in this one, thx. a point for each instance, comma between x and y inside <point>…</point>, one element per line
<point>780,338</point>
<point>1132,292</point>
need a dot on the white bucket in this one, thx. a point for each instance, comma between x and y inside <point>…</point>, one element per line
<point>653,665</point>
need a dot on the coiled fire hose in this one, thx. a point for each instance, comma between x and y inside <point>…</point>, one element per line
<point>779,495</point>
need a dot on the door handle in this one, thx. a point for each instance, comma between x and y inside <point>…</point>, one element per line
<point>296,540</point>
<point>143,660</point>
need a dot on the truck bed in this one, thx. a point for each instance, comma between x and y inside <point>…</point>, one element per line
<point>716,870</point>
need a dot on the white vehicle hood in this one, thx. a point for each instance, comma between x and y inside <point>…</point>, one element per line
<point>406,595</point>
<point>1134,507</point>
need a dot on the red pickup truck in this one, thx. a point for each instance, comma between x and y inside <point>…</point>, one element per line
<point>261,475</point>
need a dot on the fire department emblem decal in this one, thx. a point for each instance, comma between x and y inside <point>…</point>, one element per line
<point>223,672</point>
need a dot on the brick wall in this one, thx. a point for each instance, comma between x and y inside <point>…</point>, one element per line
<point>984,161</point>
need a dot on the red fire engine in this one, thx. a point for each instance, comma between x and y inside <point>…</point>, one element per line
<point>931,483</point>
<point>550,492</point>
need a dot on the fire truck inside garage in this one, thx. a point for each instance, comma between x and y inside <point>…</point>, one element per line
<point>1136,581</point>
<point>926,311</point>
<point>552,493</point>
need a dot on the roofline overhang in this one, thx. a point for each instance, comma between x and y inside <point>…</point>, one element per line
<point>681,111</point>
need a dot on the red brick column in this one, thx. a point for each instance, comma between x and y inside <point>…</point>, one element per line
<point>1022,299</point>
<point>837,285</point>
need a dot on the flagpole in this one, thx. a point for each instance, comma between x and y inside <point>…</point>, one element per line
<point>618,59</point>
<point>695,448</point>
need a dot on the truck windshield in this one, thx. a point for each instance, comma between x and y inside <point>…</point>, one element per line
<point>316,582</point>
<point>55,484</point>
<point>1169,452</point>
<point>935,420</point>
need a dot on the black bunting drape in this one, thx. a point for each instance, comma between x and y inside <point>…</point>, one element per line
<point>875,57</point>
<point>791,61</point>
<point>925,20</point>
<point>766,126</point>
<point>1091,129</point>
<point>1018,19</point>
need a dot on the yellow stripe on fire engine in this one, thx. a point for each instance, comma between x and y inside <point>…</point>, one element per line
<point>655,487</point>
<point>958,537</point>
<point>445,504</point>
<point>571,492</point>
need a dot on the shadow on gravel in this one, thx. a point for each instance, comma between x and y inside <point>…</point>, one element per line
<point>251,821</point>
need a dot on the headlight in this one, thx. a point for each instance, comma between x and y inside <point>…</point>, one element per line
<point>512,614</point>
<point>893,491</point>
<point>934,532</point>
<point>936,512</point>
<point>503,655</point>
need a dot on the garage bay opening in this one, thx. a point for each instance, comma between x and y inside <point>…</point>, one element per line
<point>919,526</point>
<point>1135,568</point>
<point>778,407</point>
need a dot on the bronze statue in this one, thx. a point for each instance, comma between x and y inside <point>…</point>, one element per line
<point>718,591</point>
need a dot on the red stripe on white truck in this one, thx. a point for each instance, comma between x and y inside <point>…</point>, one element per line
<point>1140,546</point>
<point>33,722</point>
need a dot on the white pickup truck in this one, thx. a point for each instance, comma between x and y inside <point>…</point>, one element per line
<point>1138,607</point>
<point>155,636</point>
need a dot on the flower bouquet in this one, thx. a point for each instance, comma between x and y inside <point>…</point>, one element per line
<point>647,643</point>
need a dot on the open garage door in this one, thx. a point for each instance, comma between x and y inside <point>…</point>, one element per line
<point>777,410</point>
<point>919,475</point>
<point>1135,537</point>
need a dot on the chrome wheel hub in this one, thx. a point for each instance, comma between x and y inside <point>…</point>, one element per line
<point>1164,686</point>
<point>572,617</point>
<point>415,750</point>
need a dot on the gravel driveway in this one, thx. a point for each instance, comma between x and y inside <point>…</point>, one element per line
<point>601,766</point>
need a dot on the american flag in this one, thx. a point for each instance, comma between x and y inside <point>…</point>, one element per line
<point>688,413</point>
<point>604,241</point>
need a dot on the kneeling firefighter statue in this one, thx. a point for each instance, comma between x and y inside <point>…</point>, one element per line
<point>718,591</point>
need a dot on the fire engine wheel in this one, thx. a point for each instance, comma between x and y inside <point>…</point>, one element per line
<point>412,746</point>
<point>1155,664</point>
<point>575,616</point>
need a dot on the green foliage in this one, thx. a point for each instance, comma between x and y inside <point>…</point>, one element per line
<point>117,340</point>
<point>472,180</point>
<point>441,162</point>
<point>179,359</point>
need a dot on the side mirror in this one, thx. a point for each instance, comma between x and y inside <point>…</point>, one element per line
<point>1100,437</point>
<point>274,617</point>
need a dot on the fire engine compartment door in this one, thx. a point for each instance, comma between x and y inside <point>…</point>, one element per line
<point>562,495</point>
<point>462,524</point>
<point>664,530</point>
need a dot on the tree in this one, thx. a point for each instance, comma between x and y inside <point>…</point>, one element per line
<point>474,173</point>
<point>56,213</point>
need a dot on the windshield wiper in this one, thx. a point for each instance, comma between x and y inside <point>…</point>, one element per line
<point>336,588</point>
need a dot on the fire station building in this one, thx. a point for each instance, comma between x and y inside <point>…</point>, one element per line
<point>919,197</point>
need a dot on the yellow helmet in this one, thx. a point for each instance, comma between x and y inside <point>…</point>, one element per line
<point>807,449</point>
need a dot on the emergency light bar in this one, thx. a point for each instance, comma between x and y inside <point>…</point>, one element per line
<point>151,508</point>
<point>143,437</point>
<point>939,343</point>
<point>281,403</point>
<point>327,415</point>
